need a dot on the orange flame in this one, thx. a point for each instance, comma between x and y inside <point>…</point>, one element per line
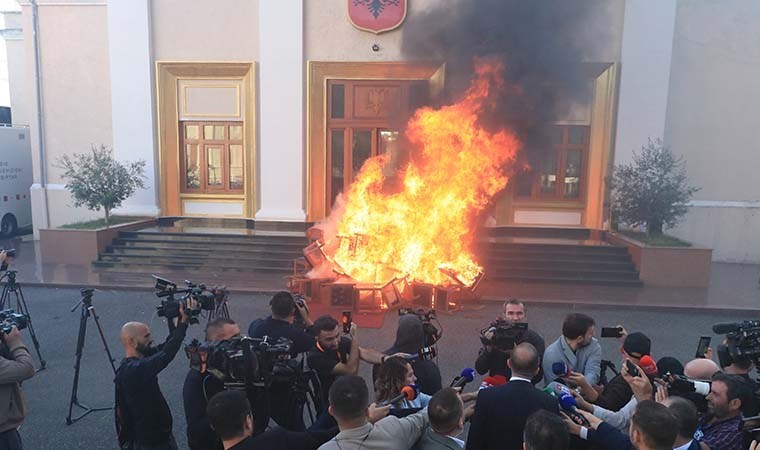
<point>456,169</point>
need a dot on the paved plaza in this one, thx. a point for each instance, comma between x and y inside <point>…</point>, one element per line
<point>47,394</point>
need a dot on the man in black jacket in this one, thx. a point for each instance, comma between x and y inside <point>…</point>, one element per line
<point>229,413</point>
<point>501,412</point>
<point>617,392</point>
<point>143,418</point>
<point>494,360</point>
<point>200,386</point>
<point>282,404</point>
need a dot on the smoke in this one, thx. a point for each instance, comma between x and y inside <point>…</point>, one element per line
<point>541,42</point>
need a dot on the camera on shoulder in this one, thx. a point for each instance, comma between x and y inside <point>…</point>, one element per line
<point>431,332</point>
<point>504,334</point>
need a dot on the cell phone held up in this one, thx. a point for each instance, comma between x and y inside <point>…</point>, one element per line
<point>612,332</point>
<point>632,370</point>
<point>703,346</point>
<point>346,321</point>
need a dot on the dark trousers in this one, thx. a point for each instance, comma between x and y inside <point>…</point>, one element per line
<point>10,440</point>
<point>170,445</point>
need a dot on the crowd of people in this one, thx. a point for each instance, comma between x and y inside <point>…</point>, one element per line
<point>533,396</point>
<point>549,397</point>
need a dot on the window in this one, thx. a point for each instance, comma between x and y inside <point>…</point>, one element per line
<point>214,157</point>
<point>559,172</point>
<point>362,115</point>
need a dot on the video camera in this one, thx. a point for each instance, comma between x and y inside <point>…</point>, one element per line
<point>750,427</point>
<point>506,334</point>
<point>300,302</point>
<point>169,307</point>
<point>431,332</point>
<point>742,342</point>
<point>9,318</point>
<point>242,362</point>
<point>681,385</point>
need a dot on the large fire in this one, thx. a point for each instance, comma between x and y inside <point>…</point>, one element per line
<point>427,227</point>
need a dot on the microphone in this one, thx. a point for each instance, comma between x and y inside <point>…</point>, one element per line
<point>557,389</point>
<point>648,365</point>
<point>570,406</point>
<point>408,393</point>
<point>491,381</point>
<point>725,328</point>
<point>561,369</point>
<point>467,375</point>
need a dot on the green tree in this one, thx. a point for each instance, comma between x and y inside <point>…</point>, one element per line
<point>96,180</point>
<point>652,190</point>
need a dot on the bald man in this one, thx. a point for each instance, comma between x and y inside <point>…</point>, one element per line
<point>700,369</point>
<point>142,414</point>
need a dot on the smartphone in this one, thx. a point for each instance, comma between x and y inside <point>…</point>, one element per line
<point>702,346</point>
<point>632,370</point>
<point>346,321</point>
<point>612,332</point>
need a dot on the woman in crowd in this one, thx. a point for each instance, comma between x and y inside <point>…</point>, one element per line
<point>394,374</point>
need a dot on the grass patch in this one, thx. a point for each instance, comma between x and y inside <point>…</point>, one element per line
<point>101,223</point>
<point>662,240</point>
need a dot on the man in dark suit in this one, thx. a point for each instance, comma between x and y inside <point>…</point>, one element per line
<point>501,412</point>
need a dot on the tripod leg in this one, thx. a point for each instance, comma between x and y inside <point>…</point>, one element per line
<point>80,346</point>
<point>21,303</point>
<point>102,337</point>
<point>4,296</point>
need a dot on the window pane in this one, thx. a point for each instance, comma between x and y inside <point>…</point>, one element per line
<point>214,160</point>
<point>236,166</point>
<point>236,132</point>
<point>361,149</point>
<point>337,148</point>
<point>557,135</point>
<point>192,166</point>
<point>576,135</point>
<point>337,101</point>
<point>549,173</point>
<point>387,142</point>
<point>524,184</point>
<point>192,132</point>
<point>573,173</point>
<point>213,132</point>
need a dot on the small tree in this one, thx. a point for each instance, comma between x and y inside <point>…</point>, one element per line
<point>97,180</point>
<point>652,190</point>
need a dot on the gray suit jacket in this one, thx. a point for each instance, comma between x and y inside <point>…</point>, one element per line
<point>431,440</point>
<point>587,360</point>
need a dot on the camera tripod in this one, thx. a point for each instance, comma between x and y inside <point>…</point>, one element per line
<point>87,311</point>
<point>12,286</point>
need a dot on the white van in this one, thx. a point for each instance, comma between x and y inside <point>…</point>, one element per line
<point>15,179</point>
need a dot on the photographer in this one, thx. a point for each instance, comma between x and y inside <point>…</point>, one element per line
<point>143,418</point>
<point>493,359</point>
<point>200,386</point>
<point>281,323</point>
<point>337,355</point>
<point>285,309</point>
<point>410,338</point>
<point>577,350</point>
<point>16,365</point>
<point>719,429</point>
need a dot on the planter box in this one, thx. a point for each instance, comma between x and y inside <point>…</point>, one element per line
<point>81,247</point>
<point>667,266</point>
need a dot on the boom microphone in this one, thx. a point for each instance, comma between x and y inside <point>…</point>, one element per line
<point>467,375</point>
<point>408,393</point>
<point>725,328</point>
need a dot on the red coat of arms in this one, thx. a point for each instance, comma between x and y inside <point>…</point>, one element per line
<point>376,16</point>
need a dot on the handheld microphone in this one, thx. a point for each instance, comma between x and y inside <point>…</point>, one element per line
<point>570,406</point>
<point>561,369</point>
<point>467,375</point>
<point>557,389</point>
<point>648,365</point>
<point>491,381</point>
<point>408,393</point>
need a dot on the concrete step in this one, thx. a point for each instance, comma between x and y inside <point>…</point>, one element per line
<point>190,260</point>
<point>209,244</point>
<point>239,252</point>
<point>589,264</point>
<point>570,280</point>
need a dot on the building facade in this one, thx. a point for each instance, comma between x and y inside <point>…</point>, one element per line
<point>266,109</point>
